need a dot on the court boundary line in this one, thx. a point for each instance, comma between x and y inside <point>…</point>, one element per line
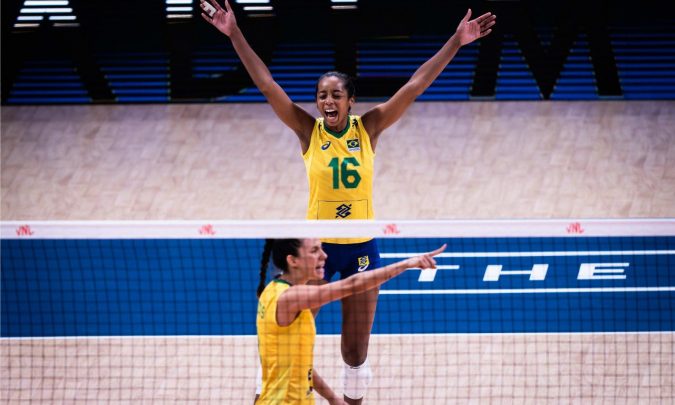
<point>561,253</point>
<point>529,291</point>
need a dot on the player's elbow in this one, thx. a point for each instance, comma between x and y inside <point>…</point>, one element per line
<point>415,87</point>
<point>267,86</point>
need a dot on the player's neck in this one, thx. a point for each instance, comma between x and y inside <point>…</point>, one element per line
<point>292,279</point>
<point>339,127</point>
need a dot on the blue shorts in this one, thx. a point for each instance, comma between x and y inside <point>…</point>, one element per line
<point>349,259</point>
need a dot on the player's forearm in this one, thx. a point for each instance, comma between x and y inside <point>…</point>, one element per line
<point>255,67</point>
<point>322,387</point>
<point>431,69</point>
<point>368,280</point>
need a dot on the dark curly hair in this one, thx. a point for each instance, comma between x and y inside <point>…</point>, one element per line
<point>347,81</point>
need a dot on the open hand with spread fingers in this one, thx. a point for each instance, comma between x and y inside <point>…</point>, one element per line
<point>223,19</point>
<point>470,30</point>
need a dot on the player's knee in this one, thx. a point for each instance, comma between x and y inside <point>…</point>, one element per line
<point>356,355</point>
<point>356,380</point>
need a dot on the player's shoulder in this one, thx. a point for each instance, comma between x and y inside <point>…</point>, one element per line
<point>355,122</point>
<point>318,123</point>
<point>357,125</point>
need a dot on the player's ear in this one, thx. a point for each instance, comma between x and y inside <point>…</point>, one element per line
<point>291,261</point>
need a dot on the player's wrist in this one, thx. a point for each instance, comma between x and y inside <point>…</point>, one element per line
<point>335,400</point>
<point>235,32</point>
<point>454,41</point>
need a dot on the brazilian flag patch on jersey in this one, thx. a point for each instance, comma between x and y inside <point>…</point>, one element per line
<point>364,262</point>
<point>353,145</point>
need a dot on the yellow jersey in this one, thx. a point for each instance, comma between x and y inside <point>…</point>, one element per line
<point>286,352</point>
<point>340,170</point>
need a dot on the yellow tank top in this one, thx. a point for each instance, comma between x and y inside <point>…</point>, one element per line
<point>340,173</point>
<point>286,352</point>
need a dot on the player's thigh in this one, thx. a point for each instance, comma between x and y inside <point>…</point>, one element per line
<point>358,313</point>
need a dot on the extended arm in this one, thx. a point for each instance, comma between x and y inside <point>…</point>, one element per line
<point>325,391</point>
<point>296,118</point>
<point>384,115</point>
<point>300,297</point>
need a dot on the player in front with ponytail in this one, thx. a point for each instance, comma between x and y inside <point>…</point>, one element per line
<point>285,324</point>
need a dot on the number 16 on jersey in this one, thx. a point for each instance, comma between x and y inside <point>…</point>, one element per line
<point>350,178</point>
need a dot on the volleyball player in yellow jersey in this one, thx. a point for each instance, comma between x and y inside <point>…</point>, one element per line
<point>285,323</point>
<point>339,149</point>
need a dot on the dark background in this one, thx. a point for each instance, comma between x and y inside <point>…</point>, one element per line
<point>544,32</point>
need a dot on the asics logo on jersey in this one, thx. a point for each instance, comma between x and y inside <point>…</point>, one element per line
<point>364,262</point>
<point>353,145</point>
<point>343,211</point>
<point>325,145</point>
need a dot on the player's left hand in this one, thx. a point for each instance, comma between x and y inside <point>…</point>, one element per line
<point>424,261</point>
<point>470,30</point>
<point>223,18</point>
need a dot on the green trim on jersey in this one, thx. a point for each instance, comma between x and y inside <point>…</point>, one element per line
<point>340,134</point>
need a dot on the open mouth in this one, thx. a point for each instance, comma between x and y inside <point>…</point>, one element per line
<point>331,114</point>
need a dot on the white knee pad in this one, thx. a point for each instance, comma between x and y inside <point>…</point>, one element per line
<point>356,380</point>
<point>258,379</point>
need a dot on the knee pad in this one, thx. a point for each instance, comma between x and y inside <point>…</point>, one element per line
<point>356,380</point>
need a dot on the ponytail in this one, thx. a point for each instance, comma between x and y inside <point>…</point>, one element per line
<point>264,262</point>
<point>277,250</point>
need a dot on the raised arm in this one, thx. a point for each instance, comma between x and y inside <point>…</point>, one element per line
<point>296,118</point>
<point>300,297</point>
<point>384,115</point>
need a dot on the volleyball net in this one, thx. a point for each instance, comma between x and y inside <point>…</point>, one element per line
<point>515,311</point>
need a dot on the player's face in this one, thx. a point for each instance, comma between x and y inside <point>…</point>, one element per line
<point>312,259</point>
<point>333,102</point>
